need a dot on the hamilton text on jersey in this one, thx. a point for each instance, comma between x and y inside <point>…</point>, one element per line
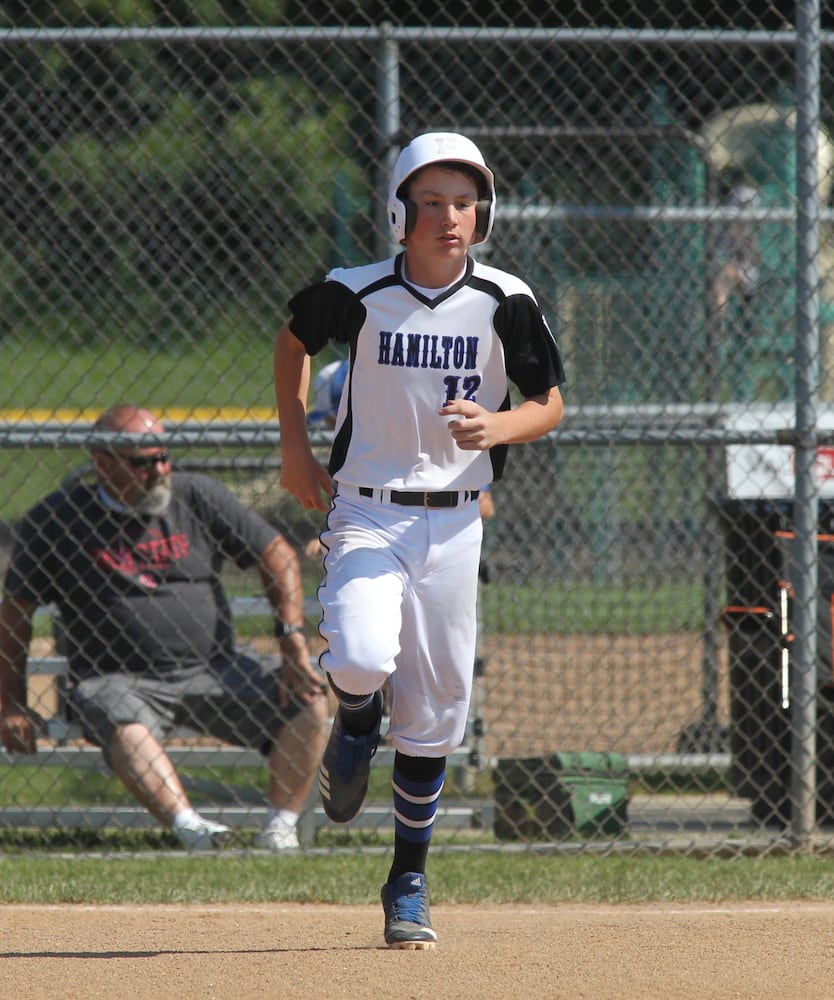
<point>425,350</point>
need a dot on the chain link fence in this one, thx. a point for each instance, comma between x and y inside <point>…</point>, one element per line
<point>169,181</point>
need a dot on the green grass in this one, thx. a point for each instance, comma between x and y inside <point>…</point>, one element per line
<point>52,375</point>
<point>138,866</point>
<point>27,785</point>
<point>603,608</point>
<point>60,375</point>
<point>473,877</point>
<point>530,609</point>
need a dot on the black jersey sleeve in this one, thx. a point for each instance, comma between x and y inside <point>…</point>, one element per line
<point>532,356</point>
<point>321,313</point>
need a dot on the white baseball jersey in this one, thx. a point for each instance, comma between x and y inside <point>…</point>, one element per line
<point>410,355</point>
<point>400,589</point>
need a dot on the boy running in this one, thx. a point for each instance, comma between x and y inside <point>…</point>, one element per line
<point>423,424</point>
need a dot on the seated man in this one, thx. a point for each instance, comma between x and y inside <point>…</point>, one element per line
<point>133,563</point>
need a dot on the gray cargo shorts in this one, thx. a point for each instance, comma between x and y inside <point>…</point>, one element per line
<point>238,703</point>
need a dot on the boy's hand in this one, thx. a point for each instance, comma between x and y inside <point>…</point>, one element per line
<point>308,481</point>
<point>473,428</point>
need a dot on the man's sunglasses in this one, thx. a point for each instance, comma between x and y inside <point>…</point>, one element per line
<point>146,461</point>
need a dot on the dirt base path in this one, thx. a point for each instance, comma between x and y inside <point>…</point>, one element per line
<point>236,952</point>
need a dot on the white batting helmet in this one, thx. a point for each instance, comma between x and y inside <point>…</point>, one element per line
<point>437,147</point>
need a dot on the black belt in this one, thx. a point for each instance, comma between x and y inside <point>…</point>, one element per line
<point>406,498</point>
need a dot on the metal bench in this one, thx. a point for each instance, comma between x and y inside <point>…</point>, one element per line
<point>237,806</point>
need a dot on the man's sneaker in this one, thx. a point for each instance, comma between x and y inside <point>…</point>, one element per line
<point>278,837</point>
<point>201,834</point>
<point>407,920</point>
<point>345,767</point>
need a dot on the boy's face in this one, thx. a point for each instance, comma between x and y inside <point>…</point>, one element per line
<point>445,226</point>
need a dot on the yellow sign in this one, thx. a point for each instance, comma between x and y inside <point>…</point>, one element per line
<point>174,415</point>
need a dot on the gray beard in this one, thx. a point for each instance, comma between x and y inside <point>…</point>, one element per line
<point>156,501</point>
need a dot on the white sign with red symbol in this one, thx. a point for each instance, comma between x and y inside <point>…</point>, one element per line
<point>767,470</point>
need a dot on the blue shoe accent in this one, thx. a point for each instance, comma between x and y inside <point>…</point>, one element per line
<point>407,920</point>
<point>345,769</point>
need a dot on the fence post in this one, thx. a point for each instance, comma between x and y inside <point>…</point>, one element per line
<point>388,124</point>
<point>804,678</point>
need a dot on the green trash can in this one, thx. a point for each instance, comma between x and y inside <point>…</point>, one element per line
<point>571,793</point>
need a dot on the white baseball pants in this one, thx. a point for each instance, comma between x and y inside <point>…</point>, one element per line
<point>399,603</point>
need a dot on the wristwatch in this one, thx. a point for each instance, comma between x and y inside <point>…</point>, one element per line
<point>282,629</point>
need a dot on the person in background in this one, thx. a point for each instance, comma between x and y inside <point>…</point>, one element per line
<point>738,251</point>
<point>133,563</point>
<point>326,393</point>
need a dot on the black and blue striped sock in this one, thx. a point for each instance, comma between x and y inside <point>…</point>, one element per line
<point>417,783</point>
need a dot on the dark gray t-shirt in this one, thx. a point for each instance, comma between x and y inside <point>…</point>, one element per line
<point>141,594</point>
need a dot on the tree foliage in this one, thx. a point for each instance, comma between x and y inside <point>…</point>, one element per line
<point>128,182</point>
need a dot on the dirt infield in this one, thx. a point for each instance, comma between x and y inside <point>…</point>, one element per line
<point>627,693</point>
<point>236,952</point>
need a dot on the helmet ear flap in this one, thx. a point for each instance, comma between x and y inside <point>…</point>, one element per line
<point>483,219</point>
<point>410,214</point>
<point>402,217</point>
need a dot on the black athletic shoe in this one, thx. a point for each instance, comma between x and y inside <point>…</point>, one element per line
<point>406,906</point>
<point>345,767</point>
